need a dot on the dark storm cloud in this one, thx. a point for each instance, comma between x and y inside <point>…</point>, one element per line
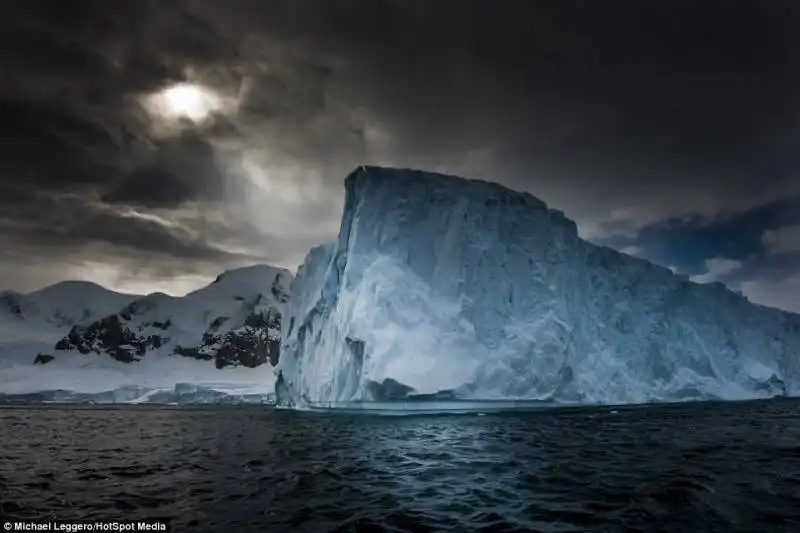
<point>183,168</point>
<point>624,114</point>
<point>131,45</point>
<point>46,147</point>
<point>55,222</point>
<point>594,106</point>
<point>71,131</point>
<point>46,154</point>
<point>142,234</point>
<point>150,186</point>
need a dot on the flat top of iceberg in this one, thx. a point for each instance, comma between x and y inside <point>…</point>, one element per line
<point>415,179</point>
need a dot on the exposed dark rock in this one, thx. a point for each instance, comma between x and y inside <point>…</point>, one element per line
<point>194,353</point>
<point>239,349</point>
<point>218,322</point>
<point>260,320</point>
<point>255,344</point>
<point>252,341</point>
<point>155,341</point>
<point>64,344</point>
<point>107,335</point>
<point>161,325</point>
<point>43,359</point>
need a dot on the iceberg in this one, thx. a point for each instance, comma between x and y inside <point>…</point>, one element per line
<point>443,287</point>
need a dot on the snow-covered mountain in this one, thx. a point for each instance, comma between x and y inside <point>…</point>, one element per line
<point>233,321</point>
<point>31,324</point>
<point>58,306</point>
<point>441,285</point>
<point>73,330</point>
<point>65,303</point>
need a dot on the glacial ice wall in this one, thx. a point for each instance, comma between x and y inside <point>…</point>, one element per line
<point>438,283</point>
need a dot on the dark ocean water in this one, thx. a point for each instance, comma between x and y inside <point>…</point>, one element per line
<point>679,468</point>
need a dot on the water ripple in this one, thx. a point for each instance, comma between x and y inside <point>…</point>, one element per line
<point>691,467</point>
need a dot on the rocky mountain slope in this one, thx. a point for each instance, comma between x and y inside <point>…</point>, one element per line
<point>234,321</point>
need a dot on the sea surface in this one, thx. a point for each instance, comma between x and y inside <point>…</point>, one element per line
<point>708,467</point>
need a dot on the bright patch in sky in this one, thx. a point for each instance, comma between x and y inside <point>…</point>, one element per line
<point>186,101</point>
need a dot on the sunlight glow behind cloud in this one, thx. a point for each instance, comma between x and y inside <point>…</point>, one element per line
<point>188,104</point>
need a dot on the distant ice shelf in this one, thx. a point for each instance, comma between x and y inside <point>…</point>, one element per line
<point>438,285</point>
<point>159,379</point>
<point>180,394</point>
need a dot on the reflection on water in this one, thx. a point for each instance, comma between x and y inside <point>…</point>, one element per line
<point>419,407</point>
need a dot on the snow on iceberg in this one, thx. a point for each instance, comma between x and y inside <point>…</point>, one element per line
<point>440,286</point>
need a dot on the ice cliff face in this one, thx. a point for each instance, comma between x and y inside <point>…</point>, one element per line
<point>441,285</point>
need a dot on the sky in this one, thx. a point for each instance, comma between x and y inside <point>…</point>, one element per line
<point>149,144</point>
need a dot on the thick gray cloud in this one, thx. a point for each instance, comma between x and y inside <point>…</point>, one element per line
<point>182,168</point>
<point>622,114</point>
